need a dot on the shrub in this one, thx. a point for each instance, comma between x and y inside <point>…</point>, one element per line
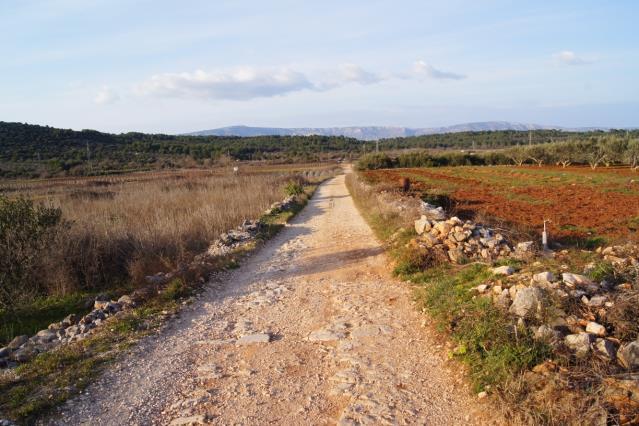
<point>293,188</point>
<point>175,290</point>
<point>26,231</point>
<point>374,161</point>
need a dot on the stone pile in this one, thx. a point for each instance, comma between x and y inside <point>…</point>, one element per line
<point>283,205</point>
<point>457,240</point>
<point>621,256</point>
<point>532,298</point>
<point>235,238</point>
<point>72,328</point>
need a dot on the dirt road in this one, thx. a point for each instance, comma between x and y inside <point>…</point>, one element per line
<point>310,330</point>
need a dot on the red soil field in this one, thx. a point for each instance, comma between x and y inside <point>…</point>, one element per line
<point>580,203</point>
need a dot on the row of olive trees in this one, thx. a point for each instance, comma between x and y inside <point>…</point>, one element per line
<point>608,151</point>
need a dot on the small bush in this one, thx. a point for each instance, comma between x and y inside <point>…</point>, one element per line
<point>602,271</point>
<point>26,231</point>
<point>175,290</point>
<point>293,188</point>
<point>374,162</point>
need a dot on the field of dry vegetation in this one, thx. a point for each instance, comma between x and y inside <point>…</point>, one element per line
<point>115,231</point>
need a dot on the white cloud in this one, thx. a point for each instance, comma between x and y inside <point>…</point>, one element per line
<point>240,84</point>
<point>351,73</point>
<point>422,68</point>
<point>106,95</point>
<point>250,83</point>
<point>569,57</point>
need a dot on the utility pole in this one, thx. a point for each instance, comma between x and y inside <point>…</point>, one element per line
<point>377,145</point>
<point>529,137</point>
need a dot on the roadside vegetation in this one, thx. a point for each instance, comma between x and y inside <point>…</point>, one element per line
<point>532,378</point>
<point>34,387</point>
<point>63,244</point>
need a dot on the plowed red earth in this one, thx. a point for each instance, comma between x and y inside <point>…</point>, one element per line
<point>580,203</point>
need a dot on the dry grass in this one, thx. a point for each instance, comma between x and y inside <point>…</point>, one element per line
<point>120,230</point>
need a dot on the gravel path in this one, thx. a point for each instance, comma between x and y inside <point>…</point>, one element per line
<point>310,330</point>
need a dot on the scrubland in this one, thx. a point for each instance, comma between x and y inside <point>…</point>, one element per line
<point>112,232</point>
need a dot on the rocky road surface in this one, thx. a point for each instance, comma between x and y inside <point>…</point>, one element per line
<point>310,330</point>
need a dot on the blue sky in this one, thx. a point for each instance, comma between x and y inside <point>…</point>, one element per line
<point>168,66</point>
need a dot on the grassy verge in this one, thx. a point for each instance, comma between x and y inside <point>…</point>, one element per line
<point>34,388</point>
<point>28,319</point>
<point>498,352</point>
<point>494,350</point>
<point>486,341</point>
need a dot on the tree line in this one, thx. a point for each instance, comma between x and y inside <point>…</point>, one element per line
<point>594,151</point>
<point>39,151</point>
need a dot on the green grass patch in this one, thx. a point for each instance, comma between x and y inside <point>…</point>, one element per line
<point>29,319</point>
<point>52,377</point>
<point>486,338</point>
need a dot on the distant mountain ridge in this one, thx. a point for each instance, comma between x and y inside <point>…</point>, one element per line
<point>380,132</point>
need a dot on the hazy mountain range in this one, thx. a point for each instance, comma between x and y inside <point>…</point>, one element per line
<point>379,132</point>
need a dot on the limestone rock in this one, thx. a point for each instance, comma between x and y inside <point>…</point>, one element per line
<point>24,354</point>
<point>503,270</point>
<point>126,300</point>
<point>547,333</point>
<point>628,355</point>
<point>422,225</point>
<point>580,343</point>
<point>575,279</point>
<point>433,213</point>
<point>597,301</point>
<point>595,328</point>
<point>443,228</point>
<point>605,348</point>
<point>525,247</point>
<point>544,277</point>
<point>527,302</point>
<point>429,241</point>
<point>45,335</point>
<point>17,342</point>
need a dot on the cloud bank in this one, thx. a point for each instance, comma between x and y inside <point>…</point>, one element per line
<point>248,83</point>
<point>240,84</point>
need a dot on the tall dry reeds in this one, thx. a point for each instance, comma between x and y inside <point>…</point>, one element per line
<point>119,232</point>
